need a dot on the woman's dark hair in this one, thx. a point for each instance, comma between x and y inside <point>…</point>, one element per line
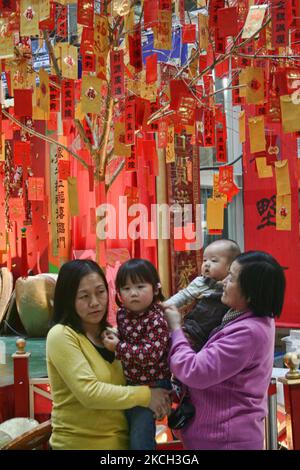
<point>262,283</point>
<point>138,270</point>
<point>69,277</point>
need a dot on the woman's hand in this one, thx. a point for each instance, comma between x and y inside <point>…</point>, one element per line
<point>110,340</point>
<point>160,402</point>
<point>173,317</point>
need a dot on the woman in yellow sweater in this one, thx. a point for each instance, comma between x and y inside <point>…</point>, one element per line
<point>88,386</point>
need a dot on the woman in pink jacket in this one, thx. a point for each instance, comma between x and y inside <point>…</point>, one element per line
<point>228,379</point>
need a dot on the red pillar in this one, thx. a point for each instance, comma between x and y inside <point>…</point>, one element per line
<point>292,408</point>
<point>21,379</point>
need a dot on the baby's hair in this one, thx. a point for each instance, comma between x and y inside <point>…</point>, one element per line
<point>232,248</point>
<point>138,270</point>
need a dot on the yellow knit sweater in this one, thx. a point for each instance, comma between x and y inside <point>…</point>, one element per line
<point>89,395</point>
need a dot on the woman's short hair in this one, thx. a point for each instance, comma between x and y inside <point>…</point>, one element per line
<point>69,277</point>
<point>262,283</point>
<point>138,270</point>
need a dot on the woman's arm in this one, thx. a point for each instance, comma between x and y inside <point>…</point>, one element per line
<point>216,362</point>
<point>65,354</point>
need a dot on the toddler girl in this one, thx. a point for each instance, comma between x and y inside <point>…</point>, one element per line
<point>142,343</point>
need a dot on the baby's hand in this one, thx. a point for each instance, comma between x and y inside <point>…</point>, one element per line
<point>110,340</point>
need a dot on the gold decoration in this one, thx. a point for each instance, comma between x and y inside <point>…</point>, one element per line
<point>292,360</point>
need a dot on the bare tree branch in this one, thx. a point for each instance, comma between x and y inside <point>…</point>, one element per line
<point>115,175</point>
<point>83,135</point>
<point>52,55</point>
<point>44,137</point>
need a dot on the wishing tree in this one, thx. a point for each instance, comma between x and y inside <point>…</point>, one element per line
<point>111,99</point>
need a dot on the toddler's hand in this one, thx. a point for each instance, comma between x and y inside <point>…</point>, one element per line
<point>173,316</point>
<point>110,340</point>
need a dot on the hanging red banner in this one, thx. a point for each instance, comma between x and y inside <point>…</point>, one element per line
<point>150,109</point>
<point>208,84</point>
<point>295,15</point>
<point>129,120</point>
<point>151,68</point>
<point>244,61</point>
<point>237,100</point>
<point>162,135</point>
<point>150,155</point>
<point>150,13</point>
<point>91,178</point>
<point>52,122</point>
<point>181,12</point>
<point>139,111</point>
<point>36,189</point>
<point>281,13</point>
<point>62,21</point>
<point>64,169</point>
<point>87,40</point>
<point>130,162</point>
<point>221,154</point>
<point>220,43</point>
<point>261,212</point>
<point>101,44</point>
<point>117,73</point>
<point>209,128</point>
<point>88,62</point>
<point>225,178</point>
<point>85,13</point>
<point>54,95</point>
<point>227,22</point>
<point>186,110</point>
<point>188,33</point>
<point>178,89</point>
<point>67,101</point>
<point>132,194</point>
<point>23,102</point>
<point>226,182</point>
<point>214,6</point>
<point>202,62</point>
<point>278,82</point>
<point>22,153</point>
<point>8,6</point>
<point>199,134</point>
<point>222,69</point>
<point>16,208</point>
<point>135,50</point>
<point>182,242</point>
<point>49,23</point>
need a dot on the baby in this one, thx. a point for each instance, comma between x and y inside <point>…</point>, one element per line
<point>207,289</point>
